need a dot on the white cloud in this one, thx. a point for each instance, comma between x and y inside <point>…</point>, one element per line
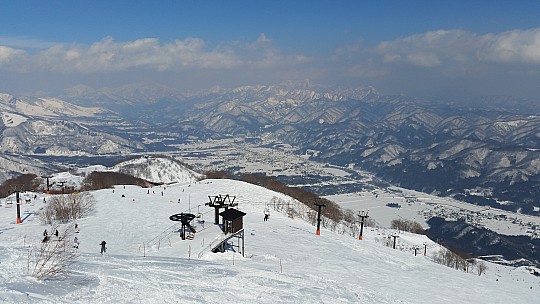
<point>110,56</point>
<point>8,54</point>
<point>446,62</point>
<point>454,60</point>
<point>437,48</point>
<point>430,49</point>
<point>263,39</point>
<point>513,46</point>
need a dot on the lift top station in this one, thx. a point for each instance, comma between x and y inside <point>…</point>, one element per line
<point>221,202</point>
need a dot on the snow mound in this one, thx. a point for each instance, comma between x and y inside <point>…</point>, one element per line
<point>163,170</point>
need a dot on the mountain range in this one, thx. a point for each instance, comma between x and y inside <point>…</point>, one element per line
<point>433,146</point>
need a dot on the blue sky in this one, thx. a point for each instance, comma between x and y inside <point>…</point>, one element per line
<point>423,48</point>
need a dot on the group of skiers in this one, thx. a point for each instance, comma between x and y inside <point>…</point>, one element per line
<point>46,237</point>
<point>76,243</point>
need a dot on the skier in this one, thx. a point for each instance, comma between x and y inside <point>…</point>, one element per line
<point>266,215</point>
<point>45,233</point>
<point>103,248</point>
<point>56,233</point>
<point>76,243</point>
<point>45,236</point>
<point>76,228</point>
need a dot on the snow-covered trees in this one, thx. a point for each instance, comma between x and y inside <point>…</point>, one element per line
<point>101,180</point>
<point>56,252</point>
<point>63,208</point>
<point>481,268</point>
<point>406,225</point>
<point>448,258</point>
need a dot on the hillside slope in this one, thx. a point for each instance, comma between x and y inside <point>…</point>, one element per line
<point>285,262</point>
<point>158,170</point>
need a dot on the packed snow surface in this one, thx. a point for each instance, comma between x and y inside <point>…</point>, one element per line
<point>284,261</point>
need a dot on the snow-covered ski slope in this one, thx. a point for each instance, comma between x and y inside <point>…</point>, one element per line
<point>285,262</point>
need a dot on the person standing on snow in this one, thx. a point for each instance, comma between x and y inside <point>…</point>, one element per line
<point>103,248</point>
<point>76,243</point>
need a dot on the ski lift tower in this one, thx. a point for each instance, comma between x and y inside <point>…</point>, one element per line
<point>220,202</point>
<point>362,215</point>
<point>48,191</point>
<point>17,189</point>
<point>320,204</point>
<point>18,207</point>
<point>395,236</point>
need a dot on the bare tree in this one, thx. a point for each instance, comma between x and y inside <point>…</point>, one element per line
<point>451,259</point>
<point>63,208</point>
<point>54,256</point>
<point>406,225</point>
<point>481,268</point>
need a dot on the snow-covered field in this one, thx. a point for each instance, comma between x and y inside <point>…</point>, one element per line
<point>420,207</point>
<point>284,262</point>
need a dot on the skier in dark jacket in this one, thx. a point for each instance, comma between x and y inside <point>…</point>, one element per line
<point>45,236</point>
<point>103,248</point>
